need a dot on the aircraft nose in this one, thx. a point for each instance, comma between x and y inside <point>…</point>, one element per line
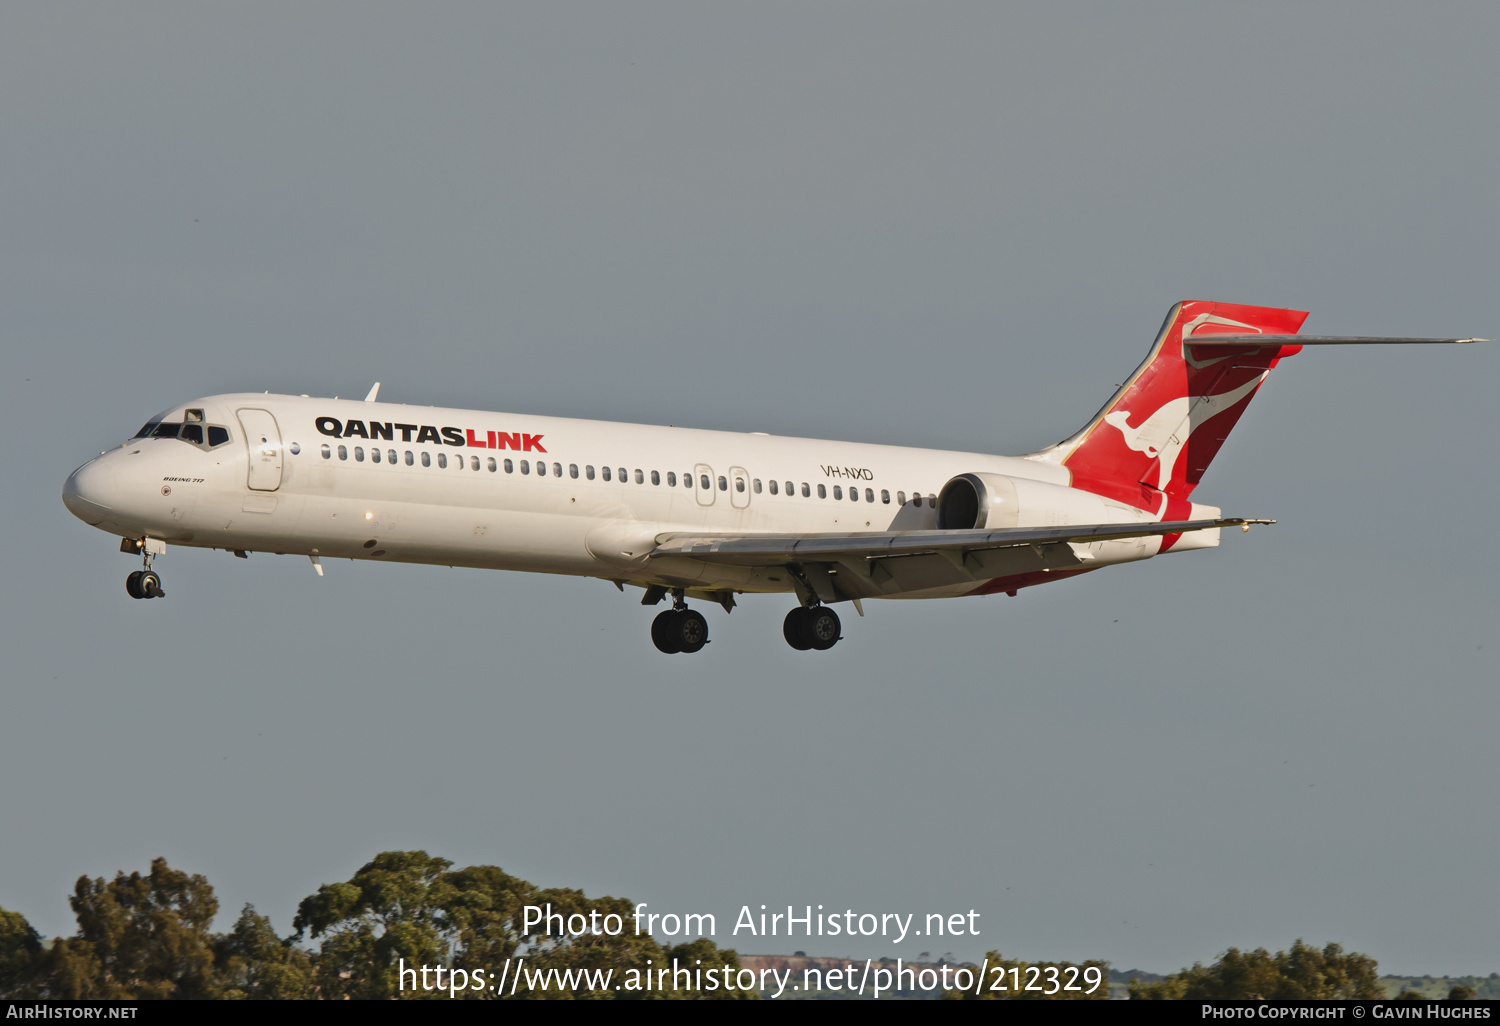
<point>89,491</point>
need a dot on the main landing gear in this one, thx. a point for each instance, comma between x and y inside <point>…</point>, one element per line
<point>811,627</point>
<point>679,629</point>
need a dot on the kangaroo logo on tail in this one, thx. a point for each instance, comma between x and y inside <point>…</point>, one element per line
<point>1162,435</point>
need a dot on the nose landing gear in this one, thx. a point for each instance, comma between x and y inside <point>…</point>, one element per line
<point>145,583</point>
<point>811,627</point>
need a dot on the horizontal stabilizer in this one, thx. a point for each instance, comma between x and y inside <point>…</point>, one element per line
<point>1266,341</point>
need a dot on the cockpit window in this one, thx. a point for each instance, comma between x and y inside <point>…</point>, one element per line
<point>190,429</point>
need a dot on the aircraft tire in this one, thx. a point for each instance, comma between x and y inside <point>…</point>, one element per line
<point>663,632</point>
<point>150,585</point>
<point>690,630</point>
<point>133,585</point>
<point>821,627</point>
<point>793,629</point>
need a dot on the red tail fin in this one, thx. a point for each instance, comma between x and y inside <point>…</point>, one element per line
<point>1152,442</point>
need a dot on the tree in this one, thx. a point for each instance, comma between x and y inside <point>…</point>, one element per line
<point>1302,973</point>
<point>252,962</point>
<point>389,912</point>
<point>408,909</point>
<point>20,954</point>
<point>138,937</point>
<point>148,937</point>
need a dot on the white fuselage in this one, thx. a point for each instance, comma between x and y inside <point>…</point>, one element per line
<point>512,492</point>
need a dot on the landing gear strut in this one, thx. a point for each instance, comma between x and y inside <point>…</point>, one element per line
<point>145,583</point>
<point>811,627</point>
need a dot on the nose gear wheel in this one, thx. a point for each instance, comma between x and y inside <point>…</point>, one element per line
<point>144,583</point>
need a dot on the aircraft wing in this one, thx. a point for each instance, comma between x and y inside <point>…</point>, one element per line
<point>871,563</point>
<point>767,550</point>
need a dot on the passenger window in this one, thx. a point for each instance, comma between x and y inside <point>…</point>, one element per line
<point>525,467</point>
<point>870,495</point>
<point>623,476</point>
<point>193,416</point>
<point>166,431</point>
<point>510,468</point>
<point>756,486</point>
<point>723,483</point>
<point>492,464</point>
<point>217,436</point>
<point>374,455</point>
<point>773,487</point>
<point>473,462</point>
<point>343,453</point>
<point>671,479</point>
<point>359,454</point>
<point>739,484</point>
<point>541,468</point>
<point>901,498</point>
<point>605,471</point>
<point>838,491</point>
<point>588,471</point>
<point>192,433</point>
<point>885,496</point>
<point>687,480</point>
<point>411,460</point>
<point>427,459</point>
<point>932,501</point>
<point>854,495</point>
<point>822,492</point>
<point>704,482</point>
<point>655,477</point>
<point>327,451</point>
<point>442,461</point>
<point>573,471</point>
<point>916,499</point>
<point>805,492</point>
<point>639,477</point>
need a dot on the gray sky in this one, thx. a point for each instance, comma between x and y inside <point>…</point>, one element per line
<point>952,226</point>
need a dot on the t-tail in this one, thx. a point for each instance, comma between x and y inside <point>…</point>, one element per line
<point>1152,442</point>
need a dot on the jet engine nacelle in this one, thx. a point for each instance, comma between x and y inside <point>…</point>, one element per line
<point>984,501</point>
<point>981,501</point>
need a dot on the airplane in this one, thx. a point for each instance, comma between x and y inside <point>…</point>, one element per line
<point>693,514</point>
